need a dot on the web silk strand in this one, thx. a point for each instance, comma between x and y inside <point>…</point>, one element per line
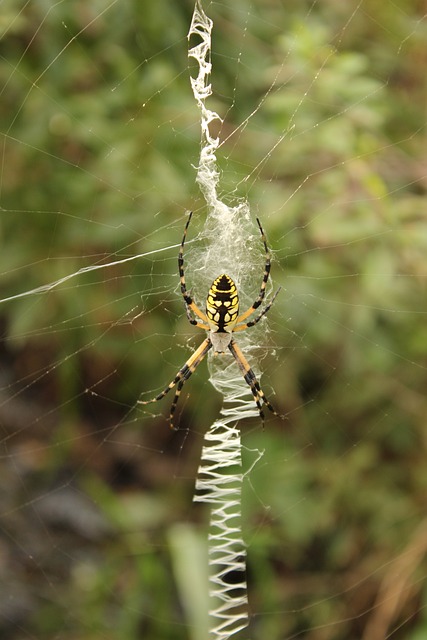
<point>219,480</point>
<point>207,173</point>
<point>219,483</point>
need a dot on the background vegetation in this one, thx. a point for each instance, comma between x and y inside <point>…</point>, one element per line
<point>99,135</point>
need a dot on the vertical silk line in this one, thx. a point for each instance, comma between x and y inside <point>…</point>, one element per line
<point>207,173</point>
<point>219,481</point>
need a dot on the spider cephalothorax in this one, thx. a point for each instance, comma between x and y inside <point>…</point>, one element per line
<point>221,320</point>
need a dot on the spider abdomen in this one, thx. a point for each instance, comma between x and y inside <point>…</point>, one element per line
<point>222,304</point>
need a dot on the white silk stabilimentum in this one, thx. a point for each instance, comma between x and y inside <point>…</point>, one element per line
<point>230,238</point>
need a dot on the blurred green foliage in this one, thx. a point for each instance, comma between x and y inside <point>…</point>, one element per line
<point>100,136</point>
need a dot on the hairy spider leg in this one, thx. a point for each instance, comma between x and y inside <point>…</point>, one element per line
<point>261,294</point>
<point>251,323</point>
<point>190,305</point>
<point>181,377</point>
<point>251,380</point>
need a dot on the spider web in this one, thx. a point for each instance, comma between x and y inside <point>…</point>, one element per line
<point>322,136</point>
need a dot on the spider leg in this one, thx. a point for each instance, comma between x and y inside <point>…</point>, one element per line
<point>181,377</point>
<point>267,268</point>
<point>252,381</point>
<point>192,320</point>
<point>259,316</point>
<point>189,302</point>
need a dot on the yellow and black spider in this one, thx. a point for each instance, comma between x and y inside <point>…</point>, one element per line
<point>221,320</point>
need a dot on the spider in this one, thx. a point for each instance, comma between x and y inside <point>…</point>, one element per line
<point>221,320</point>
